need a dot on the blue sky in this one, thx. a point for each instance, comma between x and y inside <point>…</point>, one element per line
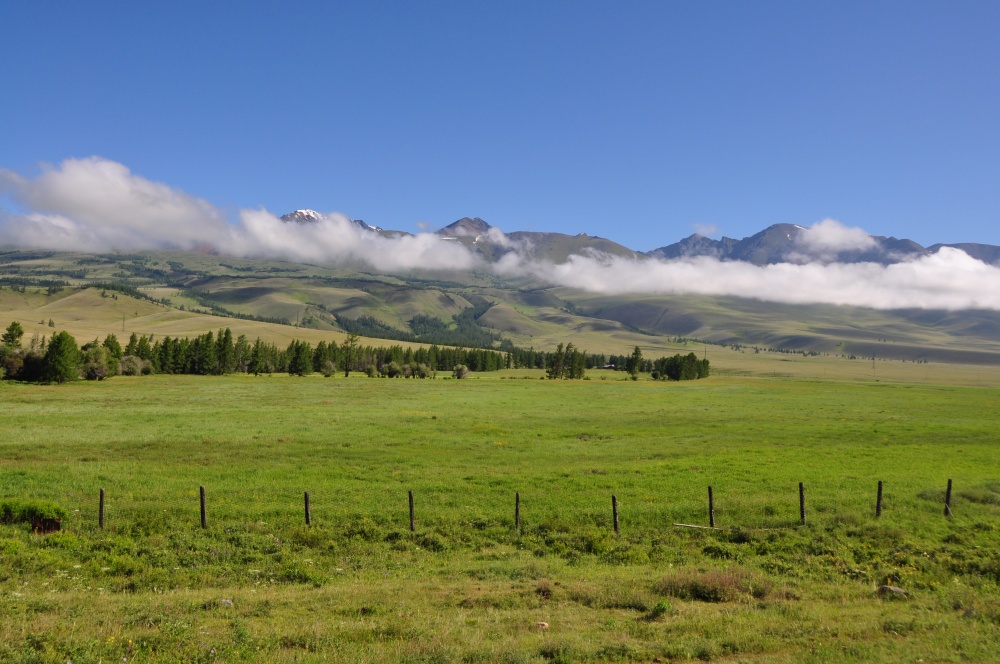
<point>639,122</point>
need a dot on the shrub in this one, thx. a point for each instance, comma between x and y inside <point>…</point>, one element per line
<point>11,361</point>
<point>13,510</point>
<point>95,371</point>
<point>133,366</point>
<point>97,363</point>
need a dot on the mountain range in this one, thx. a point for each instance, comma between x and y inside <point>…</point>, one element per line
<point>188,291</point>
<point>783,243</point>
<point>779,243</point>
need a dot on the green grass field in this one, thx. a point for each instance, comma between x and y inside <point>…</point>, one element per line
<point>357,585</point>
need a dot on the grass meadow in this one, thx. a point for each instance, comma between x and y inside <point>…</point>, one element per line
<point>358,586</point>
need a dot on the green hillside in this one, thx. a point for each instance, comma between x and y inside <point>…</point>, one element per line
<point>190,293</point>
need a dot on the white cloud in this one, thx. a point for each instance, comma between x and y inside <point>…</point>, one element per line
<point>94,204</point>
<point>99,205</point>
<point>949,279</point>
<point>708,230</point>
<point>497,236</point>
<point>826,239</point>
<point>335,239</point>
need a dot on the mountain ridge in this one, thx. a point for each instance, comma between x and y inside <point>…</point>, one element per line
<point>778,243</point>
<point>307,216</point>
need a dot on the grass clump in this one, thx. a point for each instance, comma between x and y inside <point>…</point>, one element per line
<point>14,510</point>
<point>986,494</point>
<point>714,585</point>
<point>659,611</point>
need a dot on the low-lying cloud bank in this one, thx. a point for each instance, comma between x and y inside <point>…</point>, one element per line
<point>96,205</point>
<point>949,279</point>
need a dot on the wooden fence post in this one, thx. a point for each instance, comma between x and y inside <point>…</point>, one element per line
<point>517,511</point>
<point>947,500</point>
<point>412,528</point>
<point>878,501</point>
<point>614,511</point>
<point>308,514</point>
<point>100,511</point>
<point>711,509</point>
<point>204,522</point>
<point>802,503</point>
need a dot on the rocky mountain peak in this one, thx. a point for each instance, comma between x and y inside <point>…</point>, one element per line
<point>303,217</point>
<point>313,217</point>
<point>465,226</point>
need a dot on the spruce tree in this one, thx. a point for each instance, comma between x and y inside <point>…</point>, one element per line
<point>12,336</point>
<point>634,363</point>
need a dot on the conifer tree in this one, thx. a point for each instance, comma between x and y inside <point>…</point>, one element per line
<point>12,336</point>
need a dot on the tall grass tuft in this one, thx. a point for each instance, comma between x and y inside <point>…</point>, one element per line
<point>728,585</point>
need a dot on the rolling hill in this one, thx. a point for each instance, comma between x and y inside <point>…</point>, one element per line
<point>190,293</point>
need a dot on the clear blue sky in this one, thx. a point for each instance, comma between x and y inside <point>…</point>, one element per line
<point>634,121</point>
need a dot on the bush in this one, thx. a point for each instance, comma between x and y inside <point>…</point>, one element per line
<point>95,371</point>
<point>134,366</point>
<point>11,361</point>
<point>13,510</point>
<point>97,362</point>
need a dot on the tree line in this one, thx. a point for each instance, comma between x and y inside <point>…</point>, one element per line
<point>676,367</point>
<point>680,367</point>
<point>59,358</point>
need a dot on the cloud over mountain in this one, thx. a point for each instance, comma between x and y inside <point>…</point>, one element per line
<point>949,279</point>
<point>826,239</point>
<point>335,238</point>
<point>97,205</point>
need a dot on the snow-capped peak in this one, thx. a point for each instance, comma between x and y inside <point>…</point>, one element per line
<point>303,216</point>
<point>307,216</point>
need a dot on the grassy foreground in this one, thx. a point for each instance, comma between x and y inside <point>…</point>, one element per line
<point>258,585</point>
